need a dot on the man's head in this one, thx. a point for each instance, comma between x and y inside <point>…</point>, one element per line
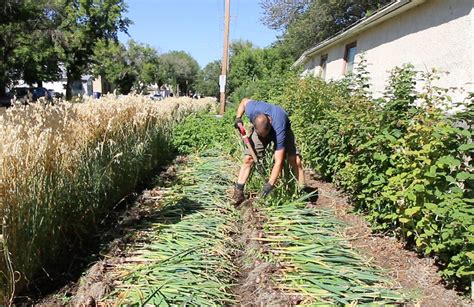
<point>262,125</point>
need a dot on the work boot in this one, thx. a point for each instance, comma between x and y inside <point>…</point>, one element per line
<point>307,190</point>
<point>238,197</point>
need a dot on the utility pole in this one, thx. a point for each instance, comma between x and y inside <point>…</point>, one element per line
<point>225,57</point>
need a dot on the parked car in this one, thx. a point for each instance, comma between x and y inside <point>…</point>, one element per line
<point>54,94</point>
<point>6,100</point>
<point>40,92</point>
<point>156,96</point>
<point>22,95</point>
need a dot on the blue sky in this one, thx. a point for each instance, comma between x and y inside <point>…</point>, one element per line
<point>195,26</point>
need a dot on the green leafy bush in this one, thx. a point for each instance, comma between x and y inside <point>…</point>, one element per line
<point>205,130</point>
<point>256,72</point>
<point>405,161</point>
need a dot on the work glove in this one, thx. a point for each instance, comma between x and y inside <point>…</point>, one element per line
<point>238,121</point>
<point>267,188</point>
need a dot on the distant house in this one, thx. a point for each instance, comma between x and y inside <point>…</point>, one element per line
<point>426,33</point>
<point>87,85</point>
<point>79,87</point>
<point>102,86</point>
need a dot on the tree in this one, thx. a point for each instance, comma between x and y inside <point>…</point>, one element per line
<point>244,67</point>
<point>81,25</point>
<point>110,62</point>
<point>208,79</point>
<point>144,60</point>
<point>134,67</point>
<point>278,14</point>
<point>317,20</point>
<point>251,64</point>
<point>179,69</point>
<point>240,45</point>
<point>26,45</point>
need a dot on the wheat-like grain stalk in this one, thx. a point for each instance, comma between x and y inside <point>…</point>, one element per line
<point>62,167</point>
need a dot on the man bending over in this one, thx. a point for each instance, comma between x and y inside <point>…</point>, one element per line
<point>270,124</point>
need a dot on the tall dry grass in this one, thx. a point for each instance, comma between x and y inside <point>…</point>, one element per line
<point>63,167</point>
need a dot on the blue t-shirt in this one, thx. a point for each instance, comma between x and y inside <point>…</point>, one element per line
<point>280,121</point>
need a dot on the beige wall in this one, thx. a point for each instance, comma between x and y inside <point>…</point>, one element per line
<point>97,85</point>
<point>436,34</point>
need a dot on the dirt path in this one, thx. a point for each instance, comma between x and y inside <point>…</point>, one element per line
<point>413,274</point>
<point>255,282</point>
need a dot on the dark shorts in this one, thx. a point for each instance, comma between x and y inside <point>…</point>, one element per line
<point>261,144</point>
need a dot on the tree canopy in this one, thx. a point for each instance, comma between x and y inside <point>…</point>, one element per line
<point>132,67</point>
<point>179,69</point>
<point>278,14</point>
<point>208,79</point>
<point>144,61</point>
<point>250,65</point>
<point>82,24</point>
<point>308,22</point>
<point>26,44</point>
<point>110,61</point>
<point>40,37</point>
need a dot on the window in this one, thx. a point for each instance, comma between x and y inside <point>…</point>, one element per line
<point>312,67</point>
<point>309,68</point>
<point>349,57</point>
<point>322,64</point>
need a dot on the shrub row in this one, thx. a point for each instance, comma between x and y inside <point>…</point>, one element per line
<point>406,159</point>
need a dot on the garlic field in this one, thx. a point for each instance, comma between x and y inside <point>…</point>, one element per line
<point>201,251</point>
<point>174,238</point>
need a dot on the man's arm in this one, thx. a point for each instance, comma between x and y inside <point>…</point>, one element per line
<point>241,108</point>
<point>277,167</point>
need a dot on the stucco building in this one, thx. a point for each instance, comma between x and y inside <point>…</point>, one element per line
<point>87,85</point>
<point>426,33</point>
